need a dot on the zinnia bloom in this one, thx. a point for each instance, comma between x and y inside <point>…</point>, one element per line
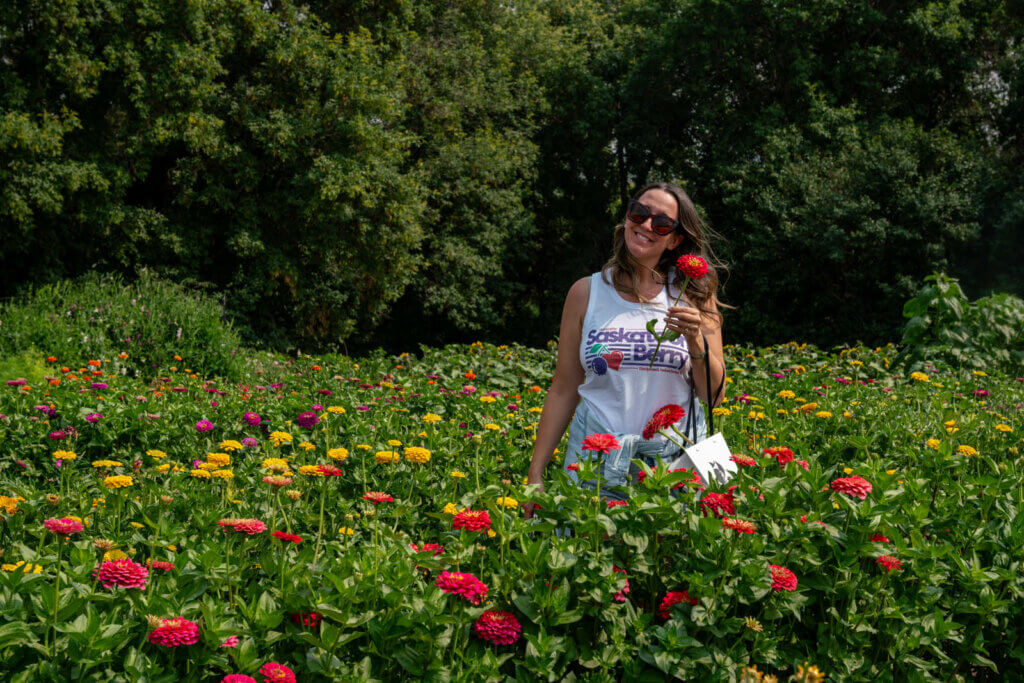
<point>308,619</point>
<point>782,578</point>
<point>244,526</point>
<point>204,426</point>
<point>417,455</point>
<point>621,595</point>
<point>890,563</point>
<point>160,564</point>
<point>123,573</point>
<point>742,460</point>
<point>462,584</point>
<point>879,538</point>
<point>273,672</point>
<point>433,548</point>
<point>740,526</point>
<point>236,678</point>
<point>474,520</point>
<point>283,536</point>
<point>252,418</point>
<point>665,416</point>
<point>781,453</point>
<point>329,471</point>
<point>377,497</point>
<point>857,487</point>
<point>501,628</point>
<point>231,641</point>
<point>64,526</point>
<point>307,420</point>
<point>718,504</point>
<point>175,631</point>
<point>600,443</point>
<point>673,597</point>
<point>692,266</point>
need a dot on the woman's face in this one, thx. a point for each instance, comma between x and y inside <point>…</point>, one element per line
<point>643,243</point>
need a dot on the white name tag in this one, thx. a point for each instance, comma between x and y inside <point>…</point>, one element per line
<point>711,458</point>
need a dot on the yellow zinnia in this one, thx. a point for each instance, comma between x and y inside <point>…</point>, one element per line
<point>218,459</point>
<point>384,457</point>
<point>339,454</point>
<point>417,454</point>
<point>118,481</point>
<point>231,445</point>
<point>155,454</point>
<point>200,474</point>
<point>65,455</point>
<point>431,417</point>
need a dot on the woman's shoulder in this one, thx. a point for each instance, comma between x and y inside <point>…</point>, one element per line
<point>579,293</point>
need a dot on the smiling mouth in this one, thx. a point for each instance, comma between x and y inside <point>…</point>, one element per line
<point>643,237</point>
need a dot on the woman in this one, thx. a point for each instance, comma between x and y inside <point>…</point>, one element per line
<point>604,370</point>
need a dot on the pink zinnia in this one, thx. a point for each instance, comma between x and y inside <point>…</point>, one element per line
<point>890,563</point>
<point>474,520</point>
<point>204,426</point>
<point>741,459</point>
<point>252,418</point>
<point>857,487</point>
<point>175,631</point>
<point>718,504</point>
<point>160,564</point>
<point>231,641</point>
<point>672,598</point>
<point>621,595</point>
<point>692,266</point>
<point>244,526</point>
<point>329,470</point>
<point>237,678</point>
<point>307,420</point>
<point>464,585</point>
<point>782,578</point>
<point>740,526</point>
<point>600,443</point>
<point>273,672</point>
<point>63,526</point>
<point>124,573</point>
<point>377,497</point>
<point>501,628</point>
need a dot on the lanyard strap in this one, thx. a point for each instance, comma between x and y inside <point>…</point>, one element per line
<point>707,377</point>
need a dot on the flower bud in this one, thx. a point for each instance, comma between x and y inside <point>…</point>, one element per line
<point>52,498</point>
<point>294,494</point>
<point>166,500</point>
<point>104,544</point>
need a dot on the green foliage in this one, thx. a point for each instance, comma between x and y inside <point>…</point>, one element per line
<point>99,317</point>
<point>943,326</point>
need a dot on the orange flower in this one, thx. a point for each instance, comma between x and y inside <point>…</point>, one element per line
<point>94,363</point>
<point>51,359</point>
<point>54,382</point>
<point>316,367</point>
<point>177,357</point>
<point>470,374</point>
<point>122,355</point>
<point>65,369</point>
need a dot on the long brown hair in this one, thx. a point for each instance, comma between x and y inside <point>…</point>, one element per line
<point>696,240</point>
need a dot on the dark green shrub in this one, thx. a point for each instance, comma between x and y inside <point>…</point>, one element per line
<point>100,316</point>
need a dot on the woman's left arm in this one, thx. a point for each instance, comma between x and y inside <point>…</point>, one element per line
<point>695,327</point>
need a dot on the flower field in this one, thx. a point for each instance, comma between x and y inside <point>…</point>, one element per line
<point>357,519</point>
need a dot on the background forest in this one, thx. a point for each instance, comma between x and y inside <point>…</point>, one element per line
<point>382,173</point>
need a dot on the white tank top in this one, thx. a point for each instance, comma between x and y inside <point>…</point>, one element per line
<point>616,350</point>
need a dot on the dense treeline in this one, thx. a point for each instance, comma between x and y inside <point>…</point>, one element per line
<point>389,172</point>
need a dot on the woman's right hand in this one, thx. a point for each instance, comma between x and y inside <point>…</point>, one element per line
<point>528,505</point>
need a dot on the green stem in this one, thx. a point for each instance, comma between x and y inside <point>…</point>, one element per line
<point>662,335</point>
<point>56,592</point>
<point>320,528</point>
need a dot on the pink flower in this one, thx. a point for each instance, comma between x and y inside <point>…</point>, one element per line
<point>621,595</point>
<point>857,487</point>
<point>890,563</point>
<point>743,460</point>
<point>231,641</point>
<point>124,573</point>
<point>244,526</point>
<point>434,549</point>
<point>377,497</point>
<point>673,597</point>
<point>175,631</point>
<point>252,418</point>
<point>204,426</point>
<point>161,565</point>
<point>782,578</point>
<point>803,463</point>
<point>473,520</point>
<point>464,585</point>
<point>63,526</point>
<point>237,678</point>
<point>501,628</point>
<point>600,443</point>
<point>273,672</point>
<point>307,420</point>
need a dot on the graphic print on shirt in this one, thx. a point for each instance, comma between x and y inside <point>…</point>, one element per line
<point>615,348</point>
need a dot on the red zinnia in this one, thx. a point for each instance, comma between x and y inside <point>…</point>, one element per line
<point>434,548</point>
<point>160,564</point>
<point>615,503</point>
<point>330,470</point>
<point>692,266</point>
<point>782,578</point>
<point>474,520</point>
<point>879,538</point>
<point>501,628</point>
<point>890,563</point>
<point>63,526</point>
<point>283,536</point>
<point>309,619</point>
<point>854,486</point>
<point>695,479</point>
<point>573,467</point>
<point>718,504</point>
<point>175,631</point>
<point>781,453</point>
<point>741,459</point>
<point>601,443</point>
<point>124,573</point>
<point>740,526</point>
<point>377,497</point>
<point>673,597</point>
<point>464,585</point>
<point>664,416</point>
<point>273,672</point>
<point>621,595</point>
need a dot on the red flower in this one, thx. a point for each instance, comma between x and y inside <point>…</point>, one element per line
<point>695,480</point>
<point>377,497</point>
<point>718,504</point>
<point>175,631</point>
<point>621,595</point>
<point>879,538</point>
<point>461,584</point>
<point>434,548</point>
<point>273,672</point>
<point>330,470</point>
<point>237,678</point>
<point>474,520</point>
<point>781,453</point>
<point>857,487</point>
<point>501,628</point>
<point>615,503</point>
<point>283,536</point>
<point>692,266</point>
<point>600,443</point>
<point>803,518</point>
<point>124,573</point>
<point>803,463</point>
<point>890,563</point>
<point>744,460</point>
<point>782,578</point>
<point>665,416</point>
<point>740,526</point>
<point>573,467</point>
<point>160,564</point>
<point>673,597</point>
<point>308,619</point>
<point>244,526</point>
<point>63,526</point>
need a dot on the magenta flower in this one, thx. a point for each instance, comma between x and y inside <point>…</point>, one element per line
<point>252,419</point>
<point>307,420</point>
<point>204,426</point>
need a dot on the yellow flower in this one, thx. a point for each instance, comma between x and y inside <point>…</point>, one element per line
<point>535,409</point>
<point>721,411</point>
<point>493,427</point>
<point>786,393</point>
<point>508,502</point>
<point>106,463</point>
<point>338,454</point>
<point>491,533</point>
<point>754,625</point>
<point>276,464</point>
<point>808,407</point>
<point>9,504</point>
<point>458,475</point>
<point>137,525</point>
<point>1004,428</point>
<point>847,470</point>
<point>279,438</point>
<point>222,474</point>
<point>163,468</point>
<point>173,548</point>
<point>798,399</point>
<point>364,447</point>
<point>208,466</point>
<point>932,443</point>
<point>384,457</point>
<point>782,411</point>
<point>25,568</point>
<point>964,449</point>
<point>394,442</point>
<point>431,417</point>
<point>979,373</point>
<point>200,474</point>
<point>117,481</point>
<point>218,459</point>
<point>155,454</point>
<point>755,415</point>
<point>452,509</point>
<point>919,377</point>
<point>335,410</point>
<point>85,522</point>
<point>487,399</point>
<point>346,531</point>
<point>856,363</point>
<point>65,455</point>
<point>231,445</point>
<point>311,471</point>
<point>890,472</point>
<point>810,674</point>
<point>823,414</point>
<point>417,454</point>
<point>847,414</point>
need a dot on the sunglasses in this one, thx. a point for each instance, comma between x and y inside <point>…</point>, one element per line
<point>660,223</point>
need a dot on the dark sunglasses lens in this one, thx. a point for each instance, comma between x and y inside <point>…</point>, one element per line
<point>637,212</point>
<point>662,224</point>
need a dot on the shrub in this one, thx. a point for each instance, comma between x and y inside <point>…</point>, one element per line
<point>100,317</point>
